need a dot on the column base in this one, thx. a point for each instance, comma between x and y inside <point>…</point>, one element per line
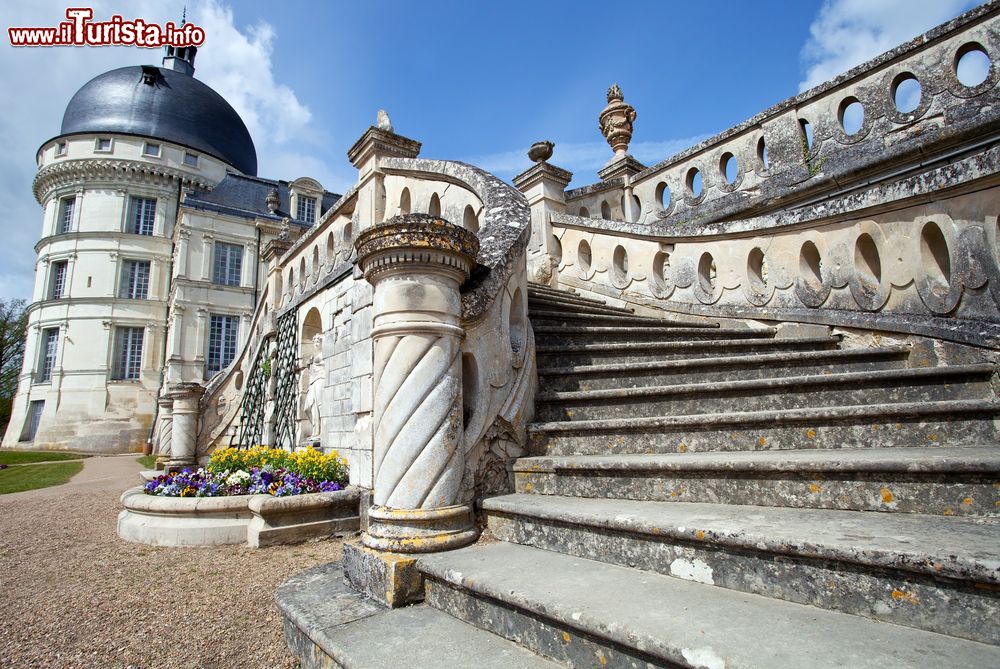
<point>391,579</point>
<point>420,530</point>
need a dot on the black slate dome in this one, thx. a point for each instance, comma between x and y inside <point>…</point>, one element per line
<point>162,104</point>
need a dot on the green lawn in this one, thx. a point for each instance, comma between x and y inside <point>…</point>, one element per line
<point>26,457</point>
<point>147,461</point>
<point>17,479</point>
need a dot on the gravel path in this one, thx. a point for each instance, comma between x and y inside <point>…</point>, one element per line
<point>72,594</point>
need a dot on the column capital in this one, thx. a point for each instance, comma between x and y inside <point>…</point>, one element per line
<point>416,239</point>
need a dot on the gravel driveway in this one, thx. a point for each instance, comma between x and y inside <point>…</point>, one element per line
<point>72,594</point>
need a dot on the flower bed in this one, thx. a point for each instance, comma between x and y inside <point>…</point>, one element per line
<point>257,471</point>
<point>260,497</point>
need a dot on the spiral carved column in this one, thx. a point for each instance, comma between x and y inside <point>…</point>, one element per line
<point>184,434</point>
<point>417,263</point>
<point>164,430</point>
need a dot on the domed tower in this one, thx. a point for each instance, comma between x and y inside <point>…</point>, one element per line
<point>110,184</point>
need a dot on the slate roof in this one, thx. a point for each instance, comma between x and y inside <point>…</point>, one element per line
<point>246,196</point>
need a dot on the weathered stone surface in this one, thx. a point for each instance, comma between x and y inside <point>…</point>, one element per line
<point>579,611</point>
<point>283,520</point>
<point>389,578</point>
<point>934,573</point>
<point>183,521</point>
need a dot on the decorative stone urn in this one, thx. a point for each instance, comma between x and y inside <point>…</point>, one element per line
<point>417,264</point>
<point>615,122</point>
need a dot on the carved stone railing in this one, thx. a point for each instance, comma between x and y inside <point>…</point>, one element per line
<point>891,228</point>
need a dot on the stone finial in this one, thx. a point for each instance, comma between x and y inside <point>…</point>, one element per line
<point>541,151</point>
<point>615,122</point>
<point>382,121</point>
<point>285,234</point>
<point>273,201</point>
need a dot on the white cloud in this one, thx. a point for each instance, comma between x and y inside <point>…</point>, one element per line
<point>38,82</point>
<point>847,33</point>
<point>584,159</point>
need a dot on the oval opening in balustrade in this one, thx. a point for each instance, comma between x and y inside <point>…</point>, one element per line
<point>331,248</point>
<point>315,263</point>
<point>516,322</point>
<point>807,135</point>
<point>663,194</point>
<point>584,212</point>
<point>906,92</point>
<point>470,387</point>
<point>762,154</point>
<point>661,267</point>
<point>694,182</point>
<point>291,279</point>
<point>811,266</point>
<point>935,257</point>
<point>302,273</point>
<point>972,65</point>
<point>348,231</point>
<point>636,209</point>
<point>757,270</point>
<point>728,167</point>
<point>619,261</point>
<point>469,219</point>
<point>555,248</point>
<point>867,262</point>
<point>707,272</point>
<point>238,380</point>
<point>583,256</point>
<point>851,115</point>
<point>606,211</point>
<point>404,202</point>
<point>434,208</point>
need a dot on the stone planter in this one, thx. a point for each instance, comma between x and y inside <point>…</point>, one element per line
<point>257,520</point>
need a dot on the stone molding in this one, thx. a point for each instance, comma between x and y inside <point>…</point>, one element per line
<point>112,170</point>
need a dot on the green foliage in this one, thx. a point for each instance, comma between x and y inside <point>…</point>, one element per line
<point>26,457</point>
<point>13,327</point>
<point>32,477</point>
<point>265,366</point>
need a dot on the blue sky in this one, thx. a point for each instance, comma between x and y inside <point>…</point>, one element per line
<point>474,81</point>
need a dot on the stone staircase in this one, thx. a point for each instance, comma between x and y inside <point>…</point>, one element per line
<point>706,496</point>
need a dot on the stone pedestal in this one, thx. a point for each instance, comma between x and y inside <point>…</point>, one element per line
<point>416,264</point>
<point>544,186</point>
<point>164,430</point>
<point>184,435</point>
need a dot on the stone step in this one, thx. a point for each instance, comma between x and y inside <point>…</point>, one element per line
<point>570,317</point>
<point>636,351</point>
<point>537,305</point>
<point>718,368</point>
<point>540,288</point>
<point>946,423</point>
<point>564,297</point>
<point>329,625</point>
<point>569,335</point>
<point>935,481</point>
<point>585,613</point>
<point>925,384</point>
<point>930,572</point>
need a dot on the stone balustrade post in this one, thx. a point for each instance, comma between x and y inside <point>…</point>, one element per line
<point>417,264</point>
<point>184,419</point>
<point>164,430</point>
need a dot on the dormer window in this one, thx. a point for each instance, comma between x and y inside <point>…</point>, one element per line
<point>150,149</point>
<point>60,149</point>
<point>306,210</point>
<point>190,159</point>
<point>102,145</point>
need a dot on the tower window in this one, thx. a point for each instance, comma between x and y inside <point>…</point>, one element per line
<point>142,215</point>
<point>47,360</point>
<point>58,286</point>
<point>60,149</point>
<point>135,280</point>
<point>128,353</point>
<point>34,418</point>
<point>102,145</point>
<point>227,264</point>
<point>151,149</point>
<point>67,206</point>
<point>190,159</point>
<point>306,209</point>
<point>222,336</point>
